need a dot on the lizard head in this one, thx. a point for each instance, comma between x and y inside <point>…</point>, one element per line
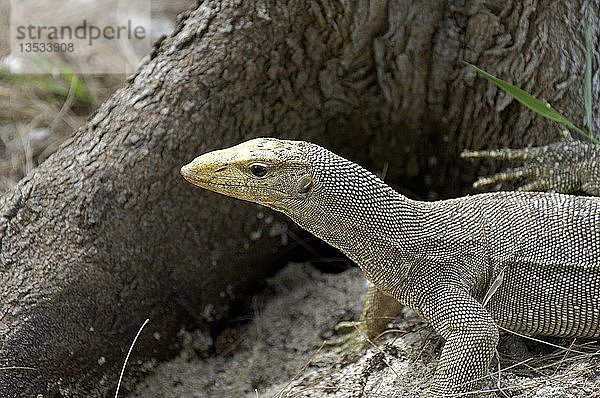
<point>269,171</point>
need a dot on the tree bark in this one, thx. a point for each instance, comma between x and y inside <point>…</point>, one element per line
<point>105,233</point>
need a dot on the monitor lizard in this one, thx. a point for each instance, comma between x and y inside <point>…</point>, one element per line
<point>525,261</point>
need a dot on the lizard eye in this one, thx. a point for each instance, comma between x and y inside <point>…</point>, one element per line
<point>258,169</point>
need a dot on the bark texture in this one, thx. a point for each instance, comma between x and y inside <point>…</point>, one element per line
<point>106,233</point>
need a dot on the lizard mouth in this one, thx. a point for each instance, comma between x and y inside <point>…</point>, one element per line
<point>192,177</point>
<point>223,185</point>
<point>206,181</point>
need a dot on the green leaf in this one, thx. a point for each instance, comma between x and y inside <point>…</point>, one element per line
<point>525,98</point>
<point>542,108</point>
<point>587,88</point>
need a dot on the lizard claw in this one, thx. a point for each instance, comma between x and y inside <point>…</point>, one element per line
<point>567,166</point>
<point>347,326</point>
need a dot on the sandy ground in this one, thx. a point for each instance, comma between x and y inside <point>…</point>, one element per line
<point>276,354</point>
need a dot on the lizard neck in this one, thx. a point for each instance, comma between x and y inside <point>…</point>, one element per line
<point>356,212</point>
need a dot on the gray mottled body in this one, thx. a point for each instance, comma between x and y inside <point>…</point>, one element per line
<point>439,258</point>
<point>541,240</point>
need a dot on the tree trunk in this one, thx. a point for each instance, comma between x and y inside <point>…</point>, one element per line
<point>106,233</point>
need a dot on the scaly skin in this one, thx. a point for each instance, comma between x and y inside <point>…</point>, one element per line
<point>567,166</point>
<point>438,258</point>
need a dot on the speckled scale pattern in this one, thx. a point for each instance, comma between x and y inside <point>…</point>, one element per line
<point>440,258</point>
<point>565,166</point>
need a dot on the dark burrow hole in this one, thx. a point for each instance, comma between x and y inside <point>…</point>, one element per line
<point>305,247</point>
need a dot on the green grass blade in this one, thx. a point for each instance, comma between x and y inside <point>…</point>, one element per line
<point>587,88</point>
<point>525,98</point>
<point>542,108</point>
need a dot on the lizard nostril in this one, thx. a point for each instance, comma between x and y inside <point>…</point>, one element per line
<point>220,170</point>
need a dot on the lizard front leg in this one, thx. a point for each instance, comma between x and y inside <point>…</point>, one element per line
<point>471,337</point>
<point>378,310</point>
<point>567,166</point>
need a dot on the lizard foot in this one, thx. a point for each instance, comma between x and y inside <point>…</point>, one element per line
<point>354,338</point>
<point>567,166</point>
